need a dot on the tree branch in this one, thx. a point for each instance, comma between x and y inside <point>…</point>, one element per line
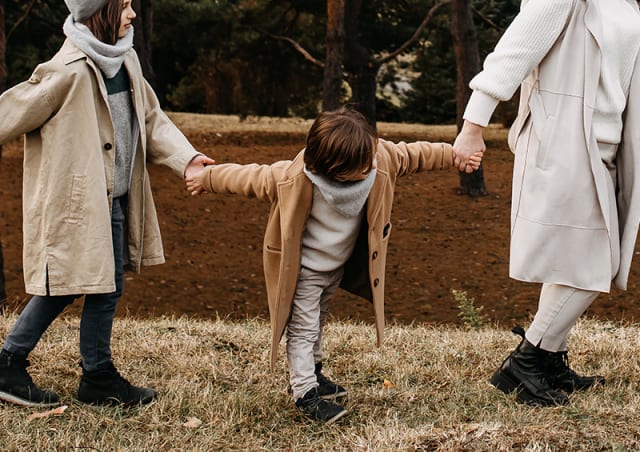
<point>415,36</point>
<point>300,49</point>
<point>15,26</point>
<point>486,20</point>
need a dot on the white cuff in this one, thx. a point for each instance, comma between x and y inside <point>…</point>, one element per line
<point>480,108</point>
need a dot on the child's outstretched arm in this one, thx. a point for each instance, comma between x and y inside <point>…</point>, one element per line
<point>410,158</point>
<point>252,180</point>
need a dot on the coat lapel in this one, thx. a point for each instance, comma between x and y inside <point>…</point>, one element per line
<point>593,64</point>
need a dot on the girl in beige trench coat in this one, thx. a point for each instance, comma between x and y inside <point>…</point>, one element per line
<point>91,122</point>
<point>576,200</point>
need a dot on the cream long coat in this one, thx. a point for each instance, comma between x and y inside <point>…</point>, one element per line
<point>290,192</point>
<point>563,194</point>
<point>69,165</point>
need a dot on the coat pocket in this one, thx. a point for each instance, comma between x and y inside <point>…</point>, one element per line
<point>543,126</point>
<point>76,201</point>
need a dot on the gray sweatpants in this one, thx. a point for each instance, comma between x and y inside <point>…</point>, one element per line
<point>558,310</point>
<point>304,331</point>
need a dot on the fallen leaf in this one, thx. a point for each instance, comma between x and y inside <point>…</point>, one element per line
<point>59,411</point>
<point>192,422</point>
<point>387,384</point>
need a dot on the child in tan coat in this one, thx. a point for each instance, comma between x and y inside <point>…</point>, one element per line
<point>329,227</point>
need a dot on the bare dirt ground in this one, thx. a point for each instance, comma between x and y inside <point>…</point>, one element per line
<point>440,241</point>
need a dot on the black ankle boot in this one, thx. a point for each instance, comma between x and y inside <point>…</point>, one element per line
<point>523,373</point>
<point>16,385</point>
<point>107,387</point>
<point>561,376</point>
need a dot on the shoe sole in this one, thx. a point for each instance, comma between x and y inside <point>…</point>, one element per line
<point>336,417</point>
<point>337,395</point>
<point>11,398</point>
<point>506,384</point>
<point>112,402</point>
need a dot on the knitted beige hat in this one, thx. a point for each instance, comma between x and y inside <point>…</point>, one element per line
<point>83,9</point>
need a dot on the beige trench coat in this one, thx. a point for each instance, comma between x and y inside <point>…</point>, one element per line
<point>290,192</point>
<point>69,164</point>
<point>564,196</point>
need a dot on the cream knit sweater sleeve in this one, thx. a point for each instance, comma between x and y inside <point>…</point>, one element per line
<point>521,48</point>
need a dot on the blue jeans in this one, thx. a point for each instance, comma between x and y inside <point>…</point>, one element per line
<point>97,313</point>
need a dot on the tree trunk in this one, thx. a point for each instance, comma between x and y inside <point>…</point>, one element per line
<point>465,45</point>
<point>359,64</point>
<point>332,81</point>
<point>143,25</point>
<point>362,80</point>
<point>3,86</point>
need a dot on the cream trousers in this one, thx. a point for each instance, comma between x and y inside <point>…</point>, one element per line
<point>558,310</point>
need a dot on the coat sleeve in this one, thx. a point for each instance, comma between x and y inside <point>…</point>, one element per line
<point>166,144</point>
<point>521,48</point>
<point>28,105</point>
<point>409,158</point>
<point>252,180</point>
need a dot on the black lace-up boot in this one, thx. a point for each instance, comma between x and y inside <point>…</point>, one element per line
<point>523,372</point>
<point>107,387</point>
<point>16,385</point>
<point>563,377</point>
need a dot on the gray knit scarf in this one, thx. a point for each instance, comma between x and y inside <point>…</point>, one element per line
<point>348,198</point>
<point>108,57</point>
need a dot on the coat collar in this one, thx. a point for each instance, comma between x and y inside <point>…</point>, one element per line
<point>297,166</point>
<point>71,53</point>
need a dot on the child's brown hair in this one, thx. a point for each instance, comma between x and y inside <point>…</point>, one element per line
<point>340,144</point>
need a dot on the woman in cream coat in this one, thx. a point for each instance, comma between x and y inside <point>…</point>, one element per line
<point>575,200</point>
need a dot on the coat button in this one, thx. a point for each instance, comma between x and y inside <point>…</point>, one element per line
<point>376,282</point>
<point>108,146</point>
<point>374,255</point>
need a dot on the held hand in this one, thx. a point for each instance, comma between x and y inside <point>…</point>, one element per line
<point>469,142</point>
<point>473,163</point>
<point>196,165</point>
<point>195,188</point>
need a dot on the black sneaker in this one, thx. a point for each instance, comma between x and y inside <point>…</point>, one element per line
<point>16,385</point>
<point>107,387</point>
<point>327,389</point>
<point>320,409</point>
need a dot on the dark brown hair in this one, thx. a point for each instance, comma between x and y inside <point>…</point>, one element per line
<point>340,144</point>
<point>105,23</point>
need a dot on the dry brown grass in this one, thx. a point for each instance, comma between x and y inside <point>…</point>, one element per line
<point>217,371</point>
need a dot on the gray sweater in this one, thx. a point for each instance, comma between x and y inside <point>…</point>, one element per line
<point>121,107</point>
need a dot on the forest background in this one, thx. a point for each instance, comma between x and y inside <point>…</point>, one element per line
<point>264,57</point>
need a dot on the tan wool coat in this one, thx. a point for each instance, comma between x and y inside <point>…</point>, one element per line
<point>290,193</point>
<point>564,196</point>
<point>69,160</point>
